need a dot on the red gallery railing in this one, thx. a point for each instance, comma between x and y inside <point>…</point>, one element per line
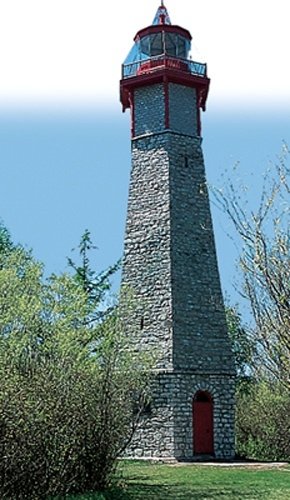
<point>163,61</point>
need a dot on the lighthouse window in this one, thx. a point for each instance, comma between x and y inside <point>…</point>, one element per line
<point>175,45</point>
<point>163,43</point>
<point>141,406</point>
<point>181,48</point>
<point>156,45</point>
<point>145,45</point>
<point>170,44</point>
<point>147,410</point>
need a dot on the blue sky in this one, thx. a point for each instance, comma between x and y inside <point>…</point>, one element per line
<point>64,142</point>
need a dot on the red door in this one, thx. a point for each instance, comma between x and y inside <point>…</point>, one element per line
<point>203,424</point>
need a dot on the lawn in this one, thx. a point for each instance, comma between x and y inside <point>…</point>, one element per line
<point>142,481</point>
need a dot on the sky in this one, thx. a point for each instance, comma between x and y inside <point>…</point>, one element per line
<point>64,142</point>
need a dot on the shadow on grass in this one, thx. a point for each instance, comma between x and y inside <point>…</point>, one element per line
<point>157,492</point>
<point>176,492</point>
<point>164,483</point>
<point>173,492</point>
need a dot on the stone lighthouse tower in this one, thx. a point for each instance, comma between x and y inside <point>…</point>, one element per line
<point>170,259</point>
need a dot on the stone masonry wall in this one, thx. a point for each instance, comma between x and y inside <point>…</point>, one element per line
<point>150,105</point>
<point>182,109</point>
<point>170,260</point>
<point>170,267</point>
<point>146,267</point>
<point>200,334</point>
<point>168,431</point>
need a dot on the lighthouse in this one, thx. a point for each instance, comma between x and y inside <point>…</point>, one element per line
<point>170,262</point>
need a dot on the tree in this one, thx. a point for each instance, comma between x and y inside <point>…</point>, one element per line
<point>94,284</point>
<point>5,239</point>
<point>265,263</point>
<point>68,379</point>
<point>262,421</point>
<point>243,345</point>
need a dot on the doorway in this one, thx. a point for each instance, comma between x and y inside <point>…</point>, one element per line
<point>203,424</point>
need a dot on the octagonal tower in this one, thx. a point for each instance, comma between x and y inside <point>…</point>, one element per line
<point>170,258</point>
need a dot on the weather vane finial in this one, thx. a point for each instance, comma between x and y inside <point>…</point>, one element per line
<point>162,3</point>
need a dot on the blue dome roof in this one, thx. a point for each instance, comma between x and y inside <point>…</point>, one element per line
<point>161,16</point>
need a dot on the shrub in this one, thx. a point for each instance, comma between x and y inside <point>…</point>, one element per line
<point>262,421</point>
<point>68,380</point>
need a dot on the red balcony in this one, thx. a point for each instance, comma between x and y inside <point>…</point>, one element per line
<point>163,61</point>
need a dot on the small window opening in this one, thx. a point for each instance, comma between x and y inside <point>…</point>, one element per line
<point>186,161</point>
<point>142,407</point>
<point>142,323</point>
<point>147,409</point>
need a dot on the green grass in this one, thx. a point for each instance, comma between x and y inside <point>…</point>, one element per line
<point>139,481</point>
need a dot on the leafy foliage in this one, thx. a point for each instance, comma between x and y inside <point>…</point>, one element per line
<point>95,285</point>
<point>243,345</point>
<point>68,378</point>
<point>5,239</point>
<point>262,421</point>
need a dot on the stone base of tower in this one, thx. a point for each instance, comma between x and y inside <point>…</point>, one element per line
<point>173,427</point>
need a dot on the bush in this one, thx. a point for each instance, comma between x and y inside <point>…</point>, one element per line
<point>68,382</point>
<point>262,421</point>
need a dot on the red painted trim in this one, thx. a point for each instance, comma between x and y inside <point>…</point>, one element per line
<point>200,83</point>
<point>198,119</point>
<point>159,28</point>
<point>166,62</point>
<point>132,109</point>
<point>166,103</point>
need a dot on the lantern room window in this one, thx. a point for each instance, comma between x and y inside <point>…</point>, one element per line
<point>163,43</point>
<point>170,44</point>
<point>145,46</point>
<point>156,45</point>
<point>183,47</point>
